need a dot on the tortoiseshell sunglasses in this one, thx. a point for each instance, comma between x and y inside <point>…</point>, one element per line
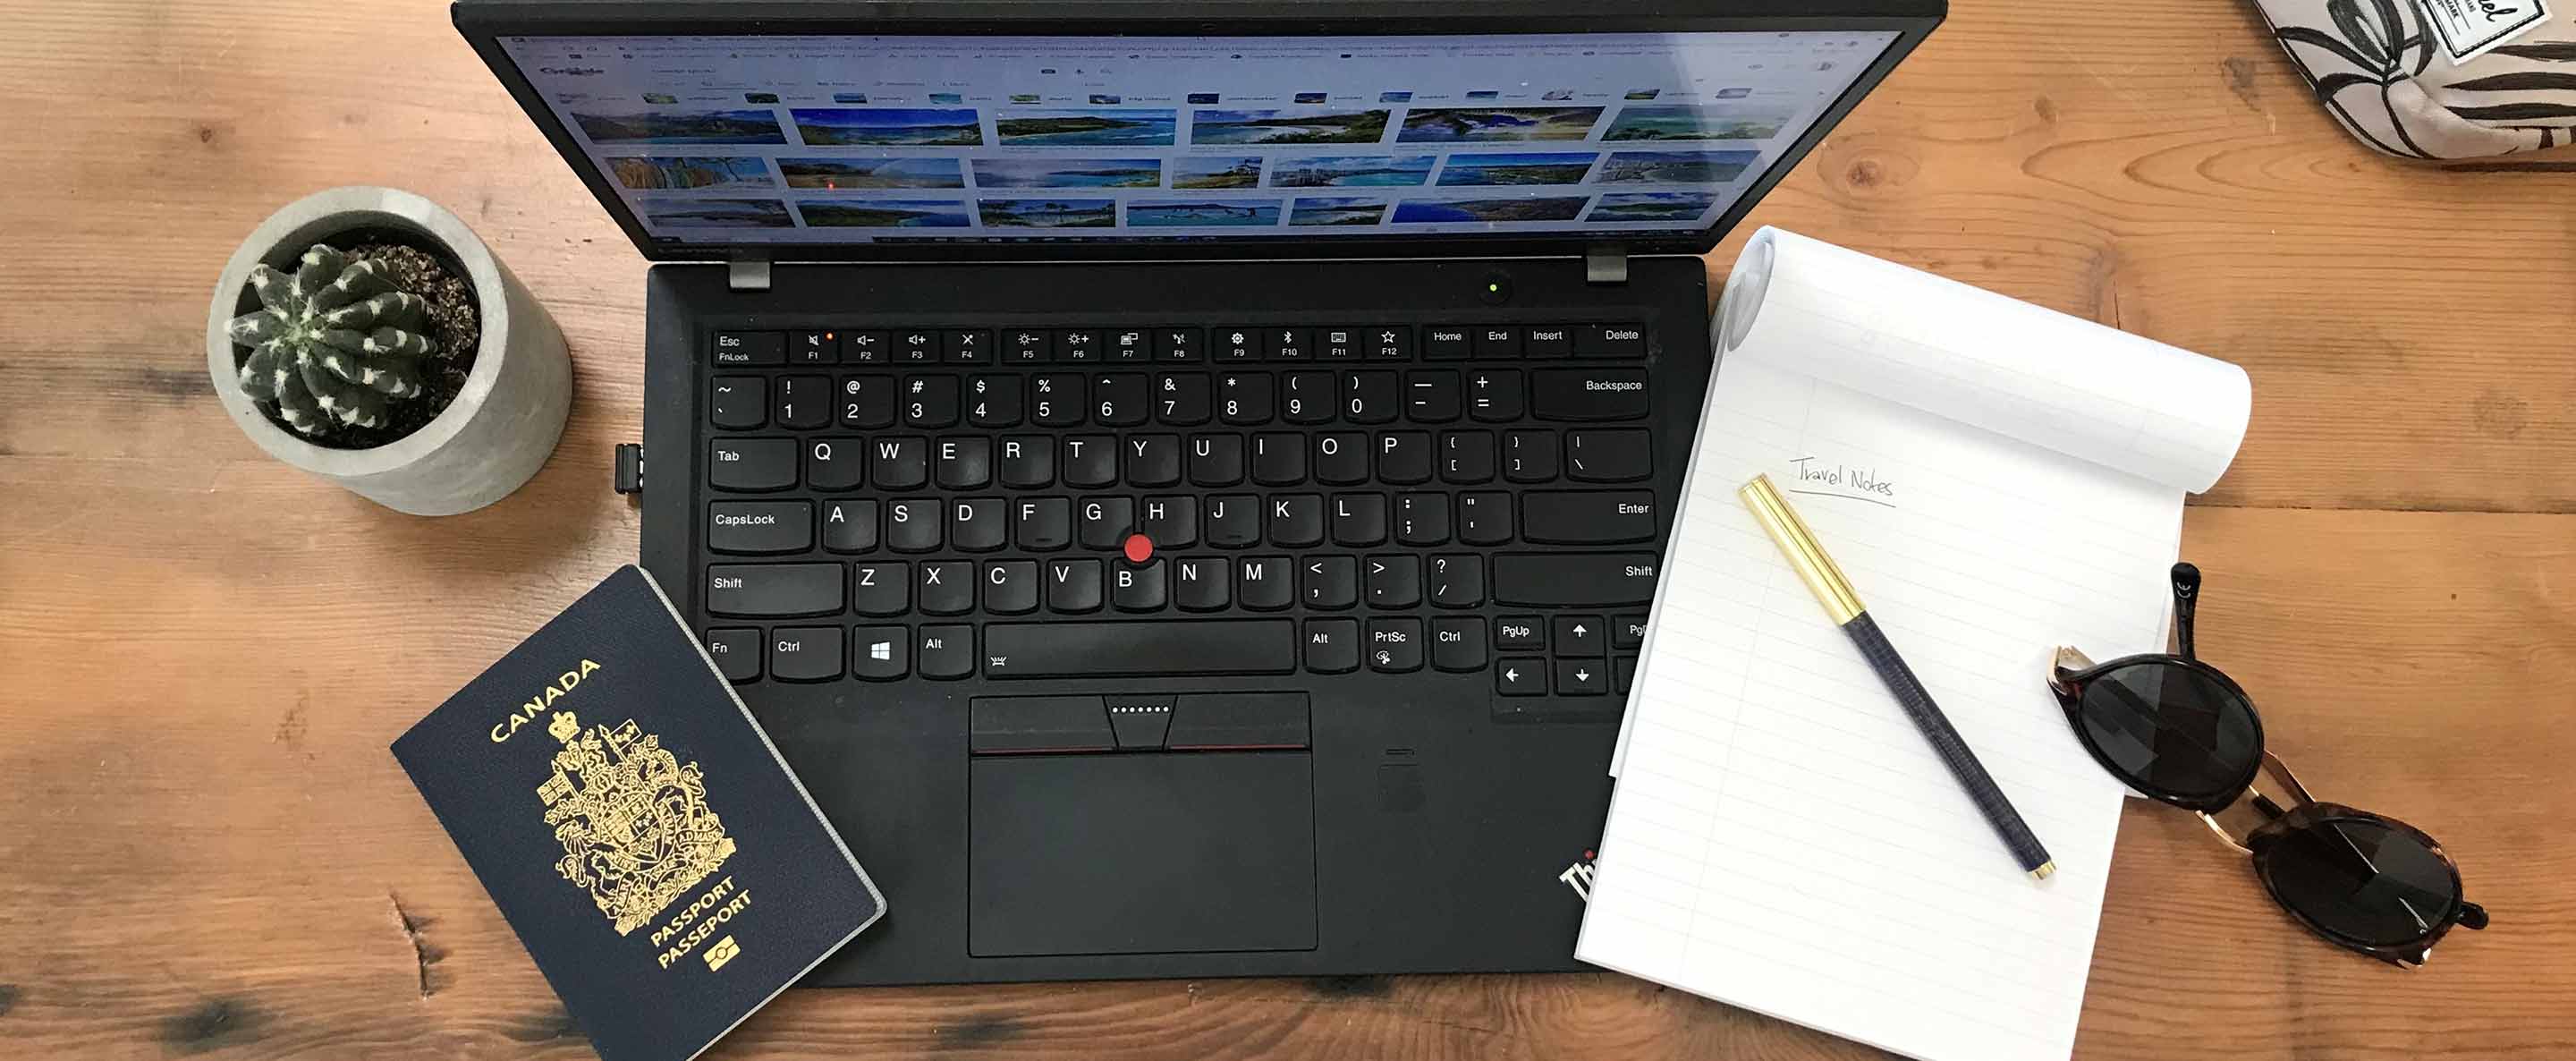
<point>2180,732</point>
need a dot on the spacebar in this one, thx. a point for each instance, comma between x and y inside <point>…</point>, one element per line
<point>1210,646</point>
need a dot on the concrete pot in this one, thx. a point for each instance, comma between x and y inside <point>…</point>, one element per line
<point>500,428</point>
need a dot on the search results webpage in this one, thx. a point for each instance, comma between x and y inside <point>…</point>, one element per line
<point>855,139</point>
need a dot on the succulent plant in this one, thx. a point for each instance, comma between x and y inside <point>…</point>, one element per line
<point>332,344</point>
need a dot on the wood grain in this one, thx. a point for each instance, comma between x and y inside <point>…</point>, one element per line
<point>208,852</point>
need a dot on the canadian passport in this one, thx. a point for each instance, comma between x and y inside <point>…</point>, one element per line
<point>635,826</point>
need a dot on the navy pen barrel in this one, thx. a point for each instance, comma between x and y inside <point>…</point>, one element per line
<point>1946,743</point>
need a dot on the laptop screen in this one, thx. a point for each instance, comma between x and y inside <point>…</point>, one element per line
<point>910,139</point>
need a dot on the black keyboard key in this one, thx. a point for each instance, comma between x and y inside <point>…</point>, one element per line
<point>1153,460</point>
<point>1243,398</point>
<point>967,347</point>
<point>1627,631</point>
<point>1574,580</point>
<point>1484,518</point>
<point>1404,457</point>
<point>965,462</point>
<point>1588,393</point>
<point>1173,343</point>
<point>1520,676</point>
<point>1055,399</point>
<point>1287,344</point>
<point>1330,582</point>
<point>1028,461</point>
<point>1389,342</point>
<point>1233,521</point>
<point>1458,580</point>
<point>1577,635</point>
<point>1131,344</point>
<point>760,527</point>
<point>1332,645</point>
<point>1010,587</point>
<point>1216,460</point>
<point>1181,399</point>
<point>1200,584</point>
<point>1519,632</point>
<point>750,348</point>
<point>1238,344</point>
<point>1171,521</point>
<point>867,401</point>
<point>866,348</point>
<point>880,653</point>
<point>1421,519</point>
<point>946,651</point>
<point>1548,340</point>
<point>1278,459</point>
<point>993,401</point>
<point>738,403</point>
<point>1337,344</point>
<point>1609,340</point>
<point>1395,645</point>
<point>1359,519</point>
<point>813,348</point>
<point>1581,677</point>
<point>736,651</point>
<point>1443,342</point>
<point>835,464</point>
<point>1106,522</point>
<point>1458,643</point>
<point>1042,524</point>
<point>1296,520</point>
<point>1494,395</point>
<point>1264,583</point>
<point>757,590</point>
<point>751,464</point>
<point>1607,455</point>
<point>1623,673</point>
<point>1025,346</point>
<point>1193,646</point>
<point>1587,517</point>
<point>850,526</point>
<point>805,653</point>
<point>1020,724</point>
<point>902,462</point>
<point>1090,460</point>
<point>915,347</point>
<point>1342,457</point>
<point>803,402</point>
<point>929,401</point>
<point>1394,580</point>
<point>1137,587</point>
<point>1118,399</point>
<point>1498,340</point>
<point>976,524</point>
<point>1466,456</point>
<point>913,524</point>
<point>1078,344</point>
<point>1369,397</point>
<point>945,587</point>
<point>1529,456</point>
<point>881,589</point>
<point>1306,397</point>
<point>1431,397</point>
<point>1073,585</point>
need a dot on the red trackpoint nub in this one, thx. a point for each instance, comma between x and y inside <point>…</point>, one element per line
<point>1139,548</point>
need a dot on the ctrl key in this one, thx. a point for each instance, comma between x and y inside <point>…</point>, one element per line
<point>736,651</point>
<point>805,653</point>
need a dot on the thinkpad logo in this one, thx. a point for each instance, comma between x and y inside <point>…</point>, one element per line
<point>571,71</point>
<point>1579,877</point>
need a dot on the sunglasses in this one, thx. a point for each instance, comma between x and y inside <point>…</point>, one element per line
<point>2180,732</point>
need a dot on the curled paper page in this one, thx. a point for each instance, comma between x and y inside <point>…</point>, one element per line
<point>2093,392</point>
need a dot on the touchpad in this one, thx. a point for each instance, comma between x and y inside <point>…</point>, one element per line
<point>1141,854</point>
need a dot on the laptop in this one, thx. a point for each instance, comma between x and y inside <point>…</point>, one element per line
<point>1183,484</point>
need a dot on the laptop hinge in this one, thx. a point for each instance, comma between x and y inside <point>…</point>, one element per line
<point>747,275</point>
<point>1605,263</point>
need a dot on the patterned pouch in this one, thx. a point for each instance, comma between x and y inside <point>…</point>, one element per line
<point>2381,72</point>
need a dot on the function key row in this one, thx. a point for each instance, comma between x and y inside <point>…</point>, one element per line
<point>744,402</point>
<point>1176,343</point>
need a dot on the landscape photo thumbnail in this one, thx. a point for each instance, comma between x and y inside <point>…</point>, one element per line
<point>1048,213</point>
<point>1025,172</point>
<point>1531,168</point>
<point>1336,210</point>
<point>682,127</point>
<point>1351,171</point>
<point>1652,206</point>
<point>1428,211</point>
<point>1686,121</point>
<point>1087,127</point>
<point>857,173</point>
<point>1674,167</point>
<point>836,126</point>
<point>653,173</point>
<point>1222,171</point>
<point>1291,126</point>
<point>883,213</point>
<point>1429,125</point>
<point>672,211</point>
<point>1144,213</point>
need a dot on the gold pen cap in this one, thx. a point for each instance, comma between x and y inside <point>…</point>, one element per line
<point>1798,543</point>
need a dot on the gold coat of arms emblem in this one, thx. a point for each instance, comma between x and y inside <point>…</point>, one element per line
<point>633,820</point>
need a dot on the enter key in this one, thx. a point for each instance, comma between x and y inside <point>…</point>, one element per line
<point>1587,517</point>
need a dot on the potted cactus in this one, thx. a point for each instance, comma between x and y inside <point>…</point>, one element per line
<point>366,336</point>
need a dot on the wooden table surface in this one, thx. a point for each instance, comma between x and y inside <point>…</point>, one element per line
<point>206,850</point>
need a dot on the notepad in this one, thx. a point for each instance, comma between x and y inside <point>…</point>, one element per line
<point>1997,479</point>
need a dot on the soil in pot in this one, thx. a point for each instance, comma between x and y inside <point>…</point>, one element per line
<point>455,324</point>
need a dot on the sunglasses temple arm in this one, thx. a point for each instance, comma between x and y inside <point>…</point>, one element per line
<point>2186,590</point>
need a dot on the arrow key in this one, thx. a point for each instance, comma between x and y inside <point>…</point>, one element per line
<point>1521,676</point>
<point>1580,635</point>
<point>1580,677</point>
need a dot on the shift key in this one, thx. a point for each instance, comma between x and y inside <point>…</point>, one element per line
<point>1574,580</point>
<point>1588,393</point>
<point>775,590</point>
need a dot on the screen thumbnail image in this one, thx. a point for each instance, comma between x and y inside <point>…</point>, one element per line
<point>883,213</point>
<point>1058,172</point>
<point>1300,126</point>
<point>1048,213</point>
<point>1675,167</point>
<point>865,173</point>
<point>669,211</point>
<point>1216,171</point>
<point>838,126</point>
<point>1527,168</point>
<point>1151,213</point>
<point>1652,206</point>
<point>1086,127</point>
<point>1336,210</point>
<point>681,127</point>
<point>1351,171</point>
<point>1684,121</point>
<point>653,173</point>
<point>1430,125</point>
<point>1435,211</point>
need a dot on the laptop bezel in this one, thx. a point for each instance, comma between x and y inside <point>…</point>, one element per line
<point>485,22</point>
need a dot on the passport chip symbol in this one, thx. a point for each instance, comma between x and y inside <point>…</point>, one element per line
<point>721,952</point>
<point>633,820</point>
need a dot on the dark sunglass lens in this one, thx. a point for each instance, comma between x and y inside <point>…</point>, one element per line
<point>2361,879</point>
<point>2172,730</point>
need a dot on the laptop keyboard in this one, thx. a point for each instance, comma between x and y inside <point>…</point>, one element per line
<point>953,502</point>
